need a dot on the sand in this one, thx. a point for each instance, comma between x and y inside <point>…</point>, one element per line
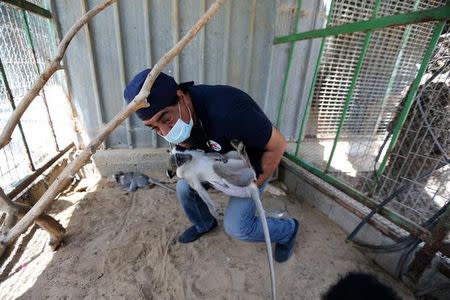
<point>122,245</point>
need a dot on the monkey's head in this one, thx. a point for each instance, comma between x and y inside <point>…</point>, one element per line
<point>177,158</point>
<point>117,176</point>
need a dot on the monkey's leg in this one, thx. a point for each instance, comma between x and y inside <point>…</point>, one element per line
<point>262,216</point>
<point>197,186</point>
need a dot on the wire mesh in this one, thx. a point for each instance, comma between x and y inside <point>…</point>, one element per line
<point>391,63</point>
<point>421,156</point>
<point>21,71</point>
<point>13,162</point>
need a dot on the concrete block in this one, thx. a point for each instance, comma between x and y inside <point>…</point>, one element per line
<point>145,160</point>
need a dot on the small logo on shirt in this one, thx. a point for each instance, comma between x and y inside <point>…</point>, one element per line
<point>214,145</point>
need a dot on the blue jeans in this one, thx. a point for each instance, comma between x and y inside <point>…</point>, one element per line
<point>240,221</point>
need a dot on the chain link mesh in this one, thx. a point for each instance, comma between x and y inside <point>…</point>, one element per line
<point>22,68</point>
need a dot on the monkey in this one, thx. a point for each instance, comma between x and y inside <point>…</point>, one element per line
<point>230,173</point>
<point>131,181</point>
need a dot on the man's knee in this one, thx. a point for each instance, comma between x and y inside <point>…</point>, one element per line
<point>235,229</point>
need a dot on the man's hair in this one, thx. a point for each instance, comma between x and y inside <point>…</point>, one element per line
<point>356,286</point>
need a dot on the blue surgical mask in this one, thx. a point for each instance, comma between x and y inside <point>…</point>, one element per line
<point>180,131</point>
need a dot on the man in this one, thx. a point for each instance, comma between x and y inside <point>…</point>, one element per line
<point>208,117</point>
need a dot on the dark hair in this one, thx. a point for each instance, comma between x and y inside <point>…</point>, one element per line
<point>355,286</point>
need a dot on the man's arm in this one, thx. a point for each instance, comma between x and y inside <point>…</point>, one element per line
<point>271,157</point>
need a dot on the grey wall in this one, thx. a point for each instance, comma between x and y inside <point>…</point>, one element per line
<point>235,49</point>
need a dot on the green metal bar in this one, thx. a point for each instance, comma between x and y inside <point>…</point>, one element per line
<point>31,7</point>
<point>33,50</point>
<point>313,84</point>
<point>10,97</point>
<point>411,95</point>
<point>429,15</point>
<point>348,99</point>
<point>405,37</point>
<point>288,69</point>
<point>395,218</point>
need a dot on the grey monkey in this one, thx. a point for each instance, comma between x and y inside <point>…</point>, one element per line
<point>230,173</point>
<point>131,181</point>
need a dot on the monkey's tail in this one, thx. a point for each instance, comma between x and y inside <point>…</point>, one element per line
<point>262,216</point>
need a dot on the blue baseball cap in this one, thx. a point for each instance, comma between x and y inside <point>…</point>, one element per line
<point>162,94</point>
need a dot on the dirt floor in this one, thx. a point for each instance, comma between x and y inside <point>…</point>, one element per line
<point>123,245</point>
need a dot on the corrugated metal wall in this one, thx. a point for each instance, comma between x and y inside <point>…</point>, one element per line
<point>235,49</point>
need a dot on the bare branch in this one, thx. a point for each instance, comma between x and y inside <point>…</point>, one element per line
<point>51,68</point>
<point>64,179</point>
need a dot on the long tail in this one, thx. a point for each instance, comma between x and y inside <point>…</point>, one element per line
<point>262,216</point>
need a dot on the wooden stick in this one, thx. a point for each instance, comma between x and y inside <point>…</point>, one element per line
<point>139,101</point>
<point>51,68</point>
<point>15,211</point>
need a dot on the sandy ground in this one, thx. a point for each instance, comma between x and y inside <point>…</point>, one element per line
<point>123,245</point>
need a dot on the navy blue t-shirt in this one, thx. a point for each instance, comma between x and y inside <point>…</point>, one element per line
<point>227,113</point>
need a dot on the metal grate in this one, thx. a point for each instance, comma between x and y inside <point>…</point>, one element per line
<point>389,67</point>
<point>421,155</point>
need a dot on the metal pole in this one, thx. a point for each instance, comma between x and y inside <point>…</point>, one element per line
<point>313,84</point>
<point>352,85</point>
<point>288,69</point>
<point>435,14</point>
<point>411,95</point>
<point>35,60</point>
<point>10,97</point>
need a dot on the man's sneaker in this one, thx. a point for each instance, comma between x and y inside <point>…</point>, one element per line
<point>191,234</point>
<point>284,251</point>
